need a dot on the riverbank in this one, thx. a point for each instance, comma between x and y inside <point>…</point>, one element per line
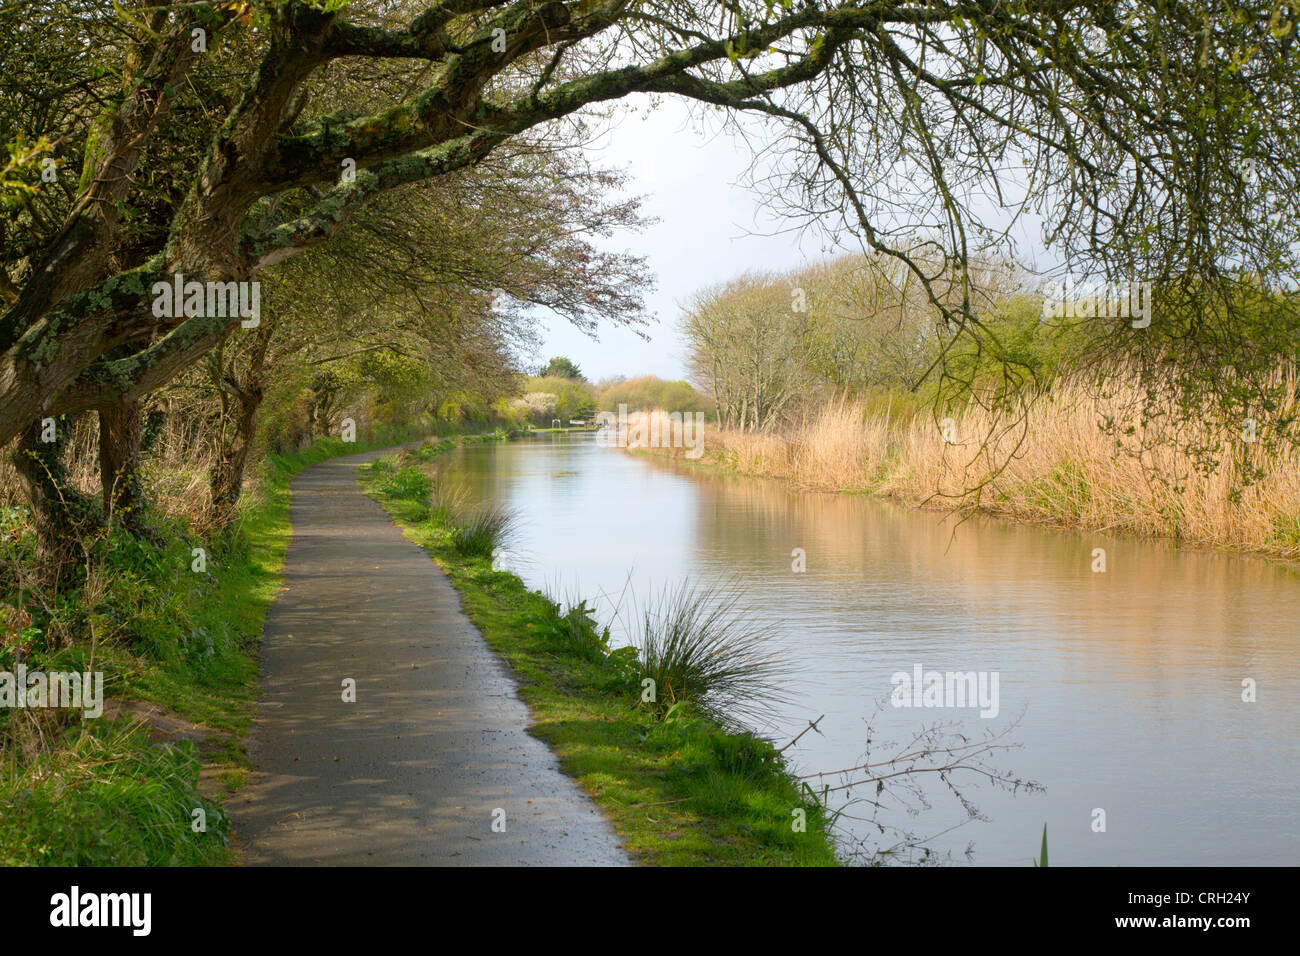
<point>176,640</point>
<point>678,788</point>
<point>1058,467</point>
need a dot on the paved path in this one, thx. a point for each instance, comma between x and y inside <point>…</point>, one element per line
<point>412,772</point>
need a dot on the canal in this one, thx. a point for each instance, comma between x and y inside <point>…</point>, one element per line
<point>1121,691</point>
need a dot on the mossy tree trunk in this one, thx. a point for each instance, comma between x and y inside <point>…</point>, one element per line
<point>61,514</point>
<point>120,433</point>
<point>241,397</point>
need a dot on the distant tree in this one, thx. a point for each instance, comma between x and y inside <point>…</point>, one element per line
<point>746,350</point>
<point>574,398</point>
<point>560,367</point>
<point>649,393</point>
<point>535,407</point>
<point>767,346</point>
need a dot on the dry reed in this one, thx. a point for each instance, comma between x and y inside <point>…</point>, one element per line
<point>1055,464</point>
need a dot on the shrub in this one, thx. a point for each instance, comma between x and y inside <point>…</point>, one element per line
<point>409,483</point>
<point>449,499</point>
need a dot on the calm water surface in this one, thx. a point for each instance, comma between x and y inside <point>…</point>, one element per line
<point>1123,689</point>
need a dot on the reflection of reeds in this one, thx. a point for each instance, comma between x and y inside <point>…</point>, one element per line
<point>697,648</point>
<point>1058,465</point>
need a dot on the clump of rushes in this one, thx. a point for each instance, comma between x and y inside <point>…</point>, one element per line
<point>483,531</point>
<point>434,499</point>
<point>698,650</point>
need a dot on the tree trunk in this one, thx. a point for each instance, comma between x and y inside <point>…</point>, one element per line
<point>120,433</point>
<point>61,514</point>
<point>227,476</point>
<point>226,479</point>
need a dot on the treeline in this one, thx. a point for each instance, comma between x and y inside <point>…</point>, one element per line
<point>767,348</point>
<point>562,392</point>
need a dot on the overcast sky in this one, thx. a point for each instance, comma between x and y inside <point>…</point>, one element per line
<point>710,228</point>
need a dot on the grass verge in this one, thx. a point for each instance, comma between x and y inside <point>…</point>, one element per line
<point>679,788</point>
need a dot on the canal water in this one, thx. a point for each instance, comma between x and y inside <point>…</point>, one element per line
<point>1121,690</point>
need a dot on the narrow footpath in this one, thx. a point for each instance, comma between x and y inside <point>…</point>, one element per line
<point>434,750</point>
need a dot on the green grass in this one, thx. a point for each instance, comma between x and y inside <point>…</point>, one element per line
<point>678,787</point>
<point>89,792</point>
<point>108,796</point>
<point>481,531</point>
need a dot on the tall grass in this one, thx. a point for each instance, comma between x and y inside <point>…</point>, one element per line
<point>483,530</point>
<point>698,649</point>
<point>448,499</point>
<point>107,795</point>
<point>1058,464</point>
<point>431,497</point>
<point>666,432</point>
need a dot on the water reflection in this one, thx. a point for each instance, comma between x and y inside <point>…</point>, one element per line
<point>1129,681</point>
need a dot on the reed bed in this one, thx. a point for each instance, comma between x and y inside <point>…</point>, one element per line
<point>1055,463</point>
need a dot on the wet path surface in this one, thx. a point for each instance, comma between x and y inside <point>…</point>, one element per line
<point>434,746</point>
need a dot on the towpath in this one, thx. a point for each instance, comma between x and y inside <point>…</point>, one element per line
<point>434,748</point>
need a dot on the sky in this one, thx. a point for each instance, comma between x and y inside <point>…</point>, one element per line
<point>710,228</point>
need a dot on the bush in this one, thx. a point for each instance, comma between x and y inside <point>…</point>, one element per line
<point>572,399</point>
<point>576,630</point>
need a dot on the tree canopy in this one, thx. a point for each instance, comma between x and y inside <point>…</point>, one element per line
<point>1156,139</point>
